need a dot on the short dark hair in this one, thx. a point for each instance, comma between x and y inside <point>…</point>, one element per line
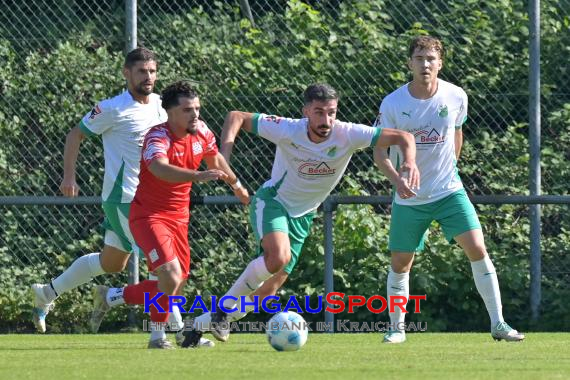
<point>319,91</point>
<point>426,42</point>
<point>139,54</point>
<point>176,90</point>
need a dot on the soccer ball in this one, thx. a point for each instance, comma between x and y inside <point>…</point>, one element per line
<point>287,331</point>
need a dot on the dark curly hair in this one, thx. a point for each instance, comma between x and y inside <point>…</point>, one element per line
<point>176,90</point>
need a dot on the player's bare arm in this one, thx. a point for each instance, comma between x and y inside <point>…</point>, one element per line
<point>382,160</point>
<point>458,142</point>
<point>160,168</point>
<point>408,177</point>
<point>68,185</point>
<point>235,120</point>
<point>219,162</point>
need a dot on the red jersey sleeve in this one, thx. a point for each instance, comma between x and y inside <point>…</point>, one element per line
<point>156,144</point>
<point>210,149</point>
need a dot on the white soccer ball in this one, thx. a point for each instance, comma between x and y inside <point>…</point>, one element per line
<point>287,331</point>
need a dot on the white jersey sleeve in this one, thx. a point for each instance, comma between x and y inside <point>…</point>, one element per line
<point>462,116</point>
<point>273,128</point>
<point>385,117</point>
<point>363,136</point>
<point>100,119</point>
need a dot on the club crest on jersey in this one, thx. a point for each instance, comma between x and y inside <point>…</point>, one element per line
<point>443,112</point>
<point>94,112</point>
<point>332,151</point>
<point>197,147</point>
<point>314,170</point>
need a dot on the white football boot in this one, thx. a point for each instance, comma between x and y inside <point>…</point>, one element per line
<point>41,307</point>
<point>503,331</point>
<point>394,336</point>
<point>100,307</point>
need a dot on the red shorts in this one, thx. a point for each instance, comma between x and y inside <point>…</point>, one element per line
<point>162,240</point>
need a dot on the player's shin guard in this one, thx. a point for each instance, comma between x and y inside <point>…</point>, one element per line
<point>202,323</point>
<point>155,314</point>
<point>175,319</point>
<point>81,271</point>
<point>487,284</point>
<point>134,294</point>
<point>239,314</point>
<point>398,284</point>
<point>251,279</point>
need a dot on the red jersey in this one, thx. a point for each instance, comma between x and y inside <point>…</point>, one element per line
<point>160,198</point>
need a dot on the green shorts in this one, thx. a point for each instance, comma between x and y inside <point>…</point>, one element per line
<point>116,225</point>
<point>267,215</point>
<point>409,224</point>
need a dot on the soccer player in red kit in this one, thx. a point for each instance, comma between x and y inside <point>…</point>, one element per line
<point>171,155</point>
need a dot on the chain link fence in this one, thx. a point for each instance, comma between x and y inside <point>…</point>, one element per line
<point>258,56</point>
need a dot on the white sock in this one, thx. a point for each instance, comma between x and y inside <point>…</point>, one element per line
<point>49,294</point>
<point>251,279</point>
<point>157,331</point>
<point>238,314</point>
<point>203,321</point>
<point>81,271</point>
<point>115,296</point>
<point>398,284</point>
<point>488,286</point>
<point>175,319</point>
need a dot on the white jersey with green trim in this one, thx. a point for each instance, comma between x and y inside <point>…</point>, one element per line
<point>433,122</point>
<point>304,173</point>
<point>123,123</point>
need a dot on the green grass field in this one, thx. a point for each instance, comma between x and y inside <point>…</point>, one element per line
<point>325,356</point>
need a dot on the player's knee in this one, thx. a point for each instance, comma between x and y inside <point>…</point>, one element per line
<point>277,260</point>
<point>169,284</point>
<point>111,266</point>
<point>113,260</point>
<point>169,278</point>
<point>478,253</point>
<point>401,266</point>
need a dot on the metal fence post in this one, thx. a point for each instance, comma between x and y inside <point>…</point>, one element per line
<point>130,25</point>
<point>328,208</point>
<point>246,11</point>
<point>130,44</point>
<point>534,137</point>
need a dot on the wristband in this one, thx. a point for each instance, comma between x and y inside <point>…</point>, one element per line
<point>235,185</point>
